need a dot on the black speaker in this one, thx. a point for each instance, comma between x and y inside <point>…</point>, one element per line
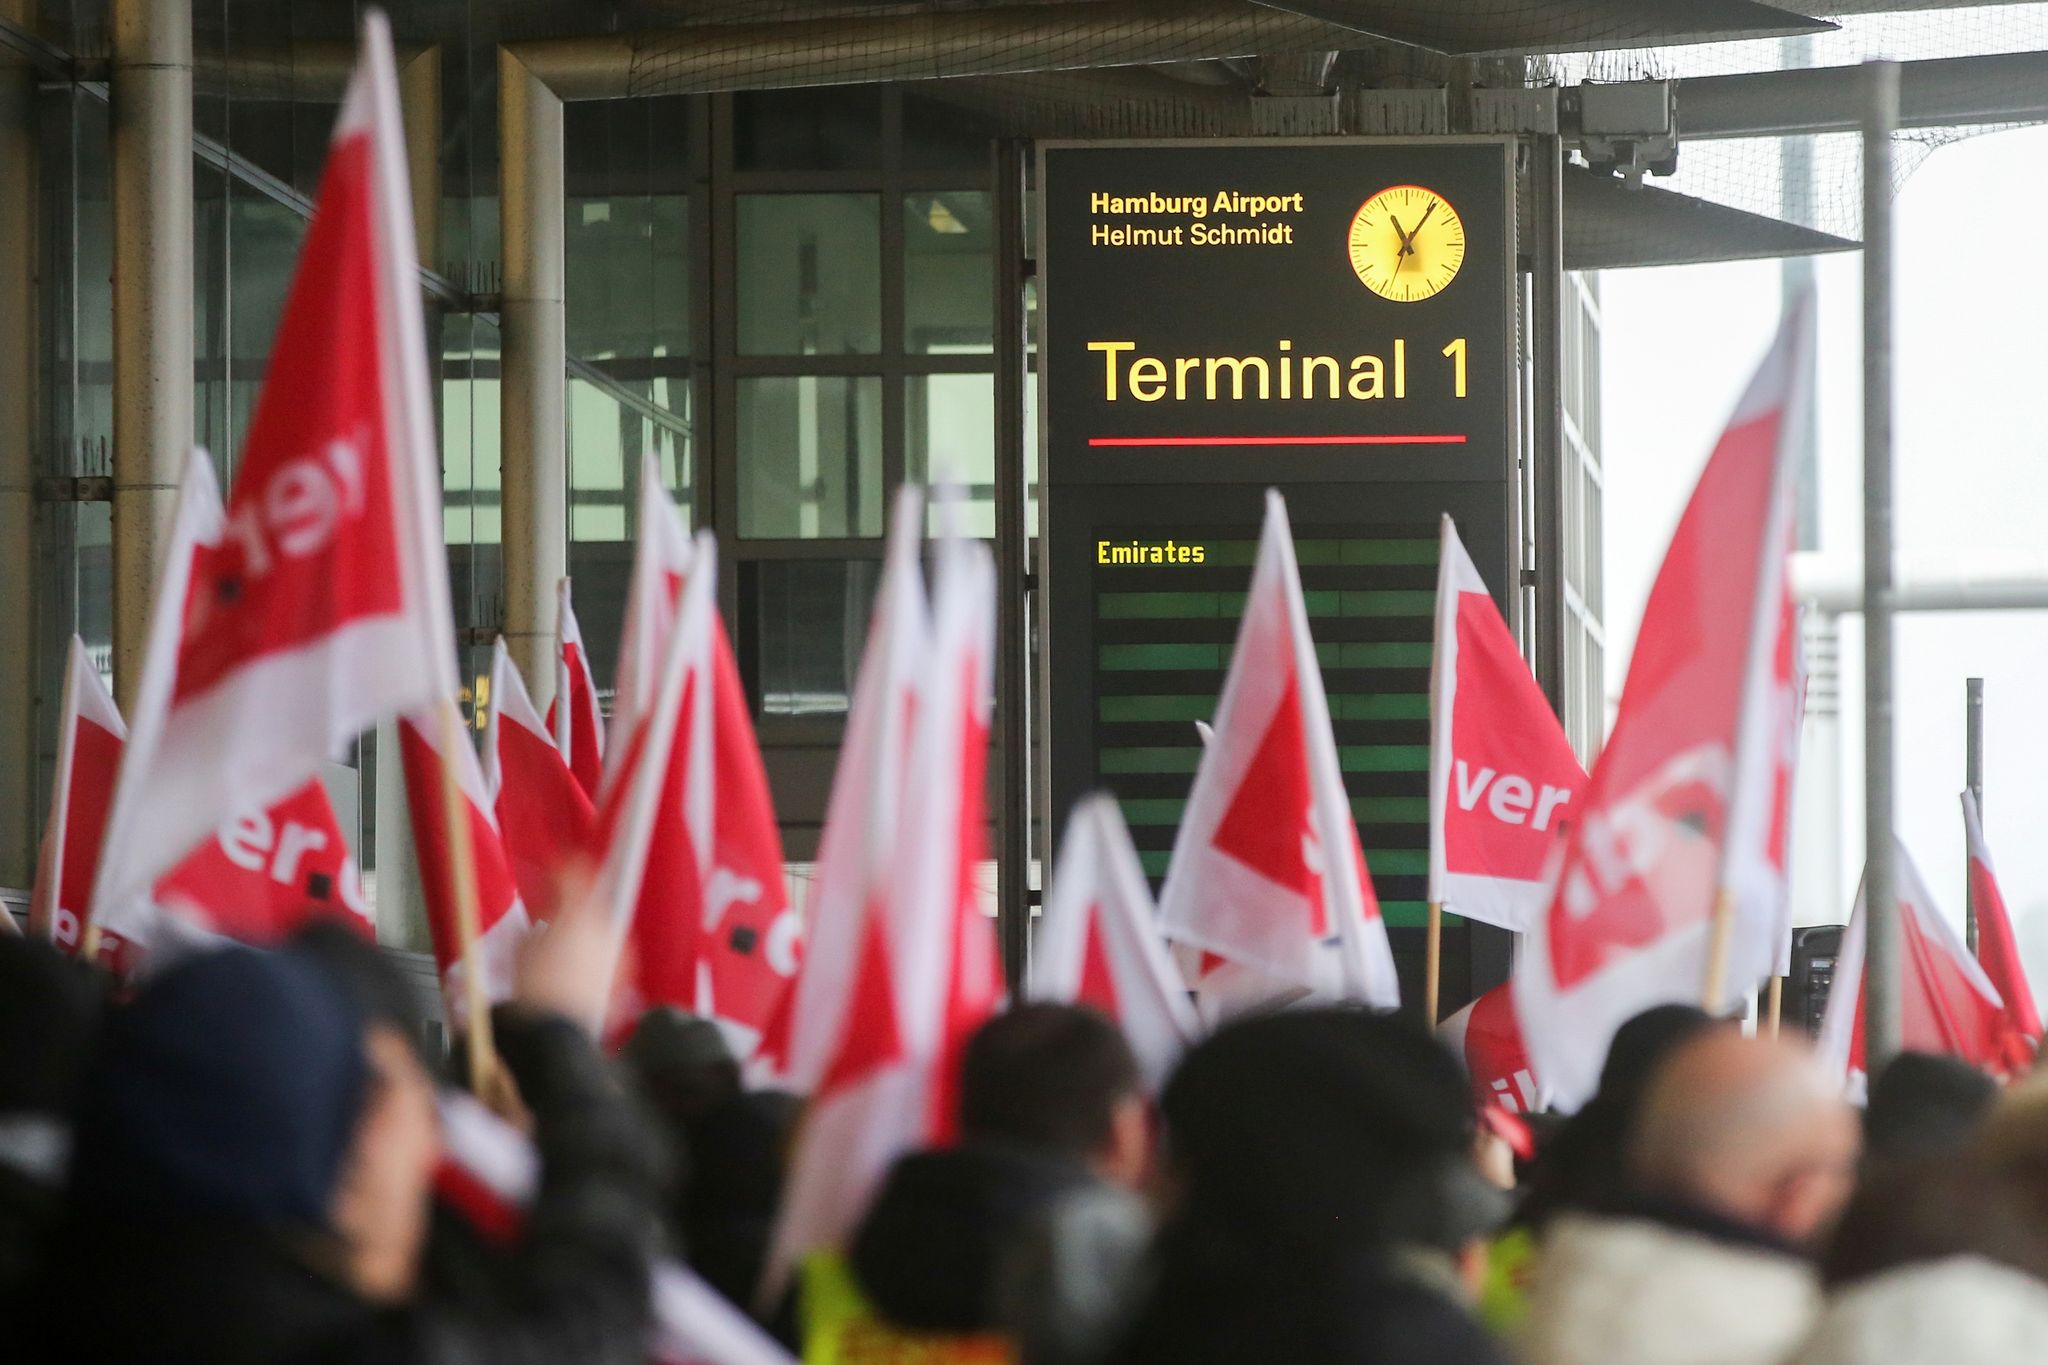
<point>1814,953</point>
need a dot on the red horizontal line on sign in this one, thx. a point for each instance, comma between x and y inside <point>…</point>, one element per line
<point>1416,440</point>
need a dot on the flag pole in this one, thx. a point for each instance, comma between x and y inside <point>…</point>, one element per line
<point>1720,931</point>
<point>1432,962</point>
<point>483,1056</point>
<point>1777,1001</point>
<point>1973,778</point>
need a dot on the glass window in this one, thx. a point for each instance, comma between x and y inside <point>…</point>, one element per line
<point>810,456</point>
<point>950,420</point>
<point>830,128</point>
<point>609,436</point>
<point>810,623</point>
<point>626,258</point>
<point>948,245</point>
<point>939,135</point>
<point>810,274</point>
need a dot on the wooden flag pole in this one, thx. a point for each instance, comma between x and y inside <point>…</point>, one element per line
<point>483,1055</point>
<point>1719,933</point>
<point>1777,1001</point>
<point>1432,962</point>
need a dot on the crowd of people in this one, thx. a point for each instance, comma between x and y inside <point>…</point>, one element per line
<point>242,1161</point>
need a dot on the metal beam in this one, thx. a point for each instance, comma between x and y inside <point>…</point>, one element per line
<point>18,388</point>
<point>1546,408</point>
<point>152,211</point>
<point>1013,652</point>
<point>1940,92</point>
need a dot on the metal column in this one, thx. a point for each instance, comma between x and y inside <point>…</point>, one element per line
<point>18,333</point>
<point>1546,416</point>
<point>1881,954</point>
<point>1013,698</point>
<point>151,93</point>
<point>531,394</point>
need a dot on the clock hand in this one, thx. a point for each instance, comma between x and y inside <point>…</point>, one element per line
<point>1405,236</point>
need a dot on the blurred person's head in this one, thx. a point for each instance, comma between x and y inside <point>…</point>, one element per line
<point>1753,1130</point>
<point>253,1089</point>
<point>1641,1045</point>
<point>1322,1127</point>
<point>1058,1080</point>
<point>1954,1204</point>
<point>49,1005</point>
<point>1923,1107</point>
<point>682,1063</point>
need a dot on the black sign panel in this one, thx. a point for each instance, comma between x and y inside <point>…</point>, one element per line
<point>1333,319</point>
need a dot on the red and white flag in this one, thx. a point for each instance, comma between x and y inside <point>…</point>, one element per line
<point>574,718</point>
<point>654,822</point>
<point>90,734</point>
<point>316,603</point>
<point>545,820</point>
<point>1998,952</point>
<point>1679,809</point>
<point>1267,870</point>
<point>1487,1038</point>
<point>1099,942</point>
<point>661,562</point>
<point>435,750</point>
<point>265,872</point>
<point>1947,1004</point>
<point>843,1043</point>
<point>1502,776</point>
<point>952,974</point>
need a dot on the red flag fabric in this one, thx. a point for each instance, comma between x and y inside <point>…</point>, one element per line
<point>1502,776</point>
<point>316,603</point>
<point>1998,952</point>
<point>661,563</point>
<point>266,872</point>
<point>545,820</point>
<point>1487,1038</point>
<point>435,751</point>
<point>846,1031</point>
<point>1267,871</point>
<point>1099,942</point>
<point>1678,809</point>
<point>1946,1002</point>
<point>90,734</point>
<point>574,718</point>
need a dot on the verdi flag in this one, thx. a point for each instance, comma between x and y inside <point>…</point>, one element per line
<point>1678,812</point>
<point>265,872</point>
<point>574,719</point>
<point>1267,871</point>
<point>661,563</point>
<point>544,818</point>
<point>1502,776</point>
<point>1947,1004</point>
<point>842,1042</point>
<point>90,734</point>
<point>1997,950</point>
<point>316,602</point>
<point>1487,1038</point>
<point>1099,942</point>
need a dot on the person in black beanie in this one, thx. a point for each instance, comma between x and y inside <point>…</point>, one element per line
<point>255,1150</point>
<point>49,1007</point>
<point>1323,1196</point>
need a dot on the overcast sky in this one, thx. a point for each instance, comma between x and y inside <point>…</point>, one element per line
<point>1972,366</point>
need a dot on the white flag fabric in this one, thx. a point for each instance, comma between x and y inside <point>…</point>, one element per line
<point>1267,870</point>
<point>1099,942</point>
<point>1679,809</point>
<point>545,820</point>
<point>1502,775</point>
<point>574,718</point>
<point>316,603</point>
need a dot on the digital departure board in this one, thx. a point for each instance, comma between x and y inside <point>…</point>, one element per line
<point>1331,318</point>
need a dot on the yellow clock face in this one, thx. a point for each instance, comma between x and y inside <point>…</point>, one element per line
<point>1407,243</point>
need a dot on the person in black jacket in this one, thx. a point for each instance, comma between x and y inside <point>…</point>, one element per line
<point>254,1157</point>
<point>48,1007</point>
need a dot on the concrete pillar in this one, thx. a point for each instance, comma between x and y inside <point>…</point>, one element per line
<point>534,449</point>
<point>18,387</point>
<point>152,201</point>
